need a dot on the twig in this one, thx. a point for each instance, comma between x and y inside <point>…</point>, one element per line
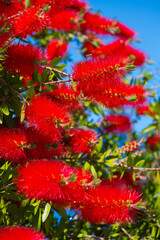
<point>124,230</point>
<point>53,82</point>
<point>8,185</point>
<point>12,89</point>
<point>132,168</point>
<point>94,237</point>
<point>56,70</point>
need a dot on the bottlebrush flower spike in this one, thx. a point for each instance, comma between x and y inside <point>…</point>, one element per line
<point>106,75</point>
<point>129,147</point>
<point>9,8</point>
<point>19,233</point>
<point>118,48</point>
<point>47,116</point>
<point>30,21</point>
<point>52,181</point>
<point>21,59</point>
<point>96,24</point>
<point>43,147</point>
<point>56,48</point>
<point>153,142</point>
<point>81,140</point>
<point>77,5</point>
<point>66,97</point>
<point>125,32</point>
<point>110,204</point>
<point>13,145</point>
<point>117,123</point>
<point>66,20</point>
<point>4,39</point>
<point>144,109</point>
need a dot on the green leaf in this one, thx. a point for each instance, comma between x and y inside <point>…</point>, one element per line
<point>62,212</point>
<point>46,212</point>
<point>99,144</point>
<point>55,61</point>
<point>140,163</point>
<point>4,108</point>
<point>149,128</point>
<point>93,171</point>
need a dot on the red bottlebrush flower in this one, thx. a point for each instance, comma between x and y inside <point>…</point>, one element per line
<point>47,117</point>
<point>21,59</point>
<point>95,23</point>
<point>56,48</point>
<point>66,97</point>
<point>90,49</point>
<point>129,147</point>
<point>43,148</point>
<point>30,21</point>
<point>13,144</point>
<point>125,32</point>
<point>144,109</point>
<point>81,140</point>
<point>118,123</point>
<point>19,233</point>
<point>4,39</point>
<point>76,5</point>
<point>10,8</point>
<point>64,20</point>
<point>106,75</point>
<point>153,142</point>
<point>118,48</point>
<point>52,181</point>
<point>110,204</point>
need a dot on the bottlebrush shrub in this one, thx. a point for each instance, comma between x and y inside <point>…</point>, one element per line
<point>53,181</point>
<point>55,152</point>
<point>18,233</point>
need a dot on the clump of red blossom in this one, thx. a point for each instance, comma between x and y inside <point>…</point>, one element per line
<point>19,233</point>
<point>53,181</point>
<point>110,203</point>
<point>55,48</point>
<point>22,59</point>
<point>66,97</point>
<point>81,140</point>
<point>117,123</point>
<point>47,117</point>
<point>153,142</point>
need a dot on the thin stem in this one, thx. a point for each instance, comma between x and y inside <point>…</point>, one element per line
<point>56,70</point>
<point>124,230</point>
<point>53,82</point>
<point>8,185</point>
<point>12,89</point>
<point>137,168</point>
<point>94,237</point>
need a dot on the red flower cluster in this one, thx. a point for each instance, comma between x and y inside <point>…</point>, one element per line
<point>110,203</point>
<point>22,59</point>
<point>53,181</point>
<point>81,140</point>
<point>9,8</point>
<point>110,91</point>
<point>153,142</point>
<point>96,24</point>
<point>13,144</point>
<point>19,233</point>
<point>55,48</point>
<point>65,97</point>
<point>117,123</point>
<point>117,48</point>
<point>30,21</point>
<point>66,20</point>
<point>143,110</point>
<point>47,116</point>
<point>130,147</point>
